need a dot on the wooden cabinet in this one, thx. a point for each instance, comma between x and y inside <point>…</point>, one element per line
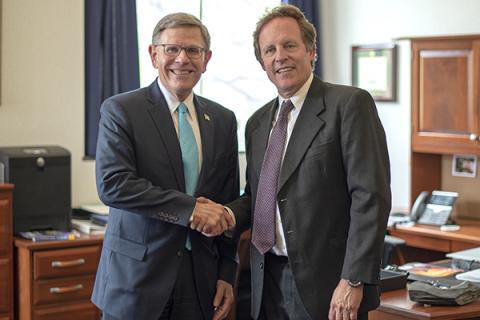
<point>55,279</point>
<point>446,95</point>
<point>445,105</point>
<point>6,255</point>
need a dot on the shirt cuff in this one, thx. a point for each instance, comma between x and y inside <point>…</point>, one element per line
<point>191,216</point>
<point>230,212</point>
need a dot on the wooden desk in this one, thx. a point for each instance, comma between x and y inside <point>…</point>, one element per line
<point>395,305</point>
<point>431,238</point>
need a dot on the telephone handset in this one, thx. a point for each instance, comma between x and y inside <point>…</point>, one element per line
<point>435,209</point>
<point>419,206</point>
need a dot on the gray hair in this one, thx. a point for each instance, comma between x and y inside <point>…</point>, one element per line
<point>178,20</point>
<point>307,29</point>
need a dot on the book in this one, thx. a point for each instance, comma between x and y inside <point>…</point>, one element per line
<point>429,270</point>
<point>87,227</point>
<point>49,235</point>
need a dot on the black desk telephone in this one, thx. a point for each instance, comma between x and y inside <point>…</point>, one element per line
<point>435,209</point>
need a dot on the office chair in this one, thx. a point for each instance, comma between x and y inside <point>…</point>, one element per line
<point>392,245</point>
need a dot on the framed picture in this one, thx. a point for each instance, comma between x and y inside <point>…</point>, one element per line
<point>464,166</point>
<point>374,68</point>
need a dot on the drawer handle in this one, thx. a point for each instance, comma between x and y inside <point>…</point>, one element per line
<point>65,264</point>
<point>66,289</point>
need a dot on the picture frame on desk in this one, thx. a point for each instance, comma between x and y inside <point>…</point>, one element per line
<point>374,68</point>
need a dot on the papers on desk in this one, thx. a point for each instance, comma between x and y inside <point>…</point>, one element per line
<point>95,208</point>
<point>472,276</point>
<point>87,227</point>
<point>468,255</point>
<point>397,218</point>
<point>99,219</point>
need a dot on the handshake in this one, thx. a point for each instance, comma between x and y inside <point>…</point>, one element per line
<point>210,218</point>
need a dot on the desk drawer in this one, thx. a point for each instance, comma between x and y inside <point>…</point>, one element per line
<point>460,245</point>
<point>62,290</point>
<point>427,243</point>
<point>77,311</point>
<point>64,263</point>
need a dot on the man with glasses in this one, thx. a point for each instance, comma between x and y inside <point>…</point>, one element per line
<point>165,158</point>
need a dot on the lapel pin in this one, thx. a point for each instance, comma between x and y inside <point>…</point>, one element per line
<point>206,116</point>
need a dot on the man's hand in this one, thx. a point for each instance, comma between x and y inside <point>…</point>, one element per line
<point>210,218</point>
<point>345,302</point>
<point>223,300</point>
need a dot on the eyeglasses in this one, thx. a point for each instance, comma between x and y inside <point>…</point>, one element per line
<point>173,50</point>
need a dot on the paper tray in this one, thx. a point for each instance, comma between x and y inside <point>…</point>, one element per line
<point>391,280</point>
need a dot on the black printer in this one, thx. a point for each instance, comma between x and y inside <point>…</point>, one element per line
<point>42,179</point>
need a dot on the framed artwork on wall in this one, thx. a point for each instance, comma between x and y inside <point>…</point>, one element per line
<point>374,68</point>
<point>464,166</point>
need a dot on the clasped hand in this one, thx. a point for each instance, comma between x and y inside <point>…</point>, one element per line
<point>210,218</point>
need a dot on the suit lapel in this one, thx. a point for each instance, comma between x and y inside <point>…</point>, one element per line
<point>260,136</point>
<point>162,118</point>
<point>306,128</point>
<point>207,132</point>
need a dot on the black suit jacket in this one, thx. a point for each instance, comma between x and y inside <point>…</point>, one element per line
<point>140,176</point>
<point>333,194</point>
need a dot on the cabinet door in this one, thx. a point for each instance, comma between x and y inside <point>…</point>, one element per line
<point>5,227</point>
<point>5,286</point>
<point>6,281</point>
<point>446,95</point>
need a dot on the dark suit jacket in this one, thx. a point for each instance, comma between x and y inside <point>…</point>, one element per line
<point>333,194</point>
<point>140,176</point>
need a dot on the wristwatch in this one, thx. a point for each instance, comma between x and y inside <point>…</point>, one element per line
<point>354,284</point>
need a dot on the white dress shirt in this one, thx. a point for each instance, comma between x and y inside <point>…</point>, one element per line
<point>297,99</point>
<point>192,116</point>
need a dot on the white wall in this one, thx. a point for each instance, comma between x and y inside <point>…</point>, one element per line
<point>42,78</point>
<point>355,22</point>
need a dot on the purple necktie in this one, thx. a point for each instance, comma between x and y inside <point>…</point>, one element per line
<point>263,232</point>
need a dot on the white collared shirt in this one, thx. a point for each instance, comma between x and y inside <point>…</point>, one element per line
<point>192,116</point>
<point>297,99</point>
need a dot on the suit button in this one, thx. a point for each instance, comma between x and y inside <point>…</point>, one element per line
<point>261,265</point>
<point>180,253</point>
